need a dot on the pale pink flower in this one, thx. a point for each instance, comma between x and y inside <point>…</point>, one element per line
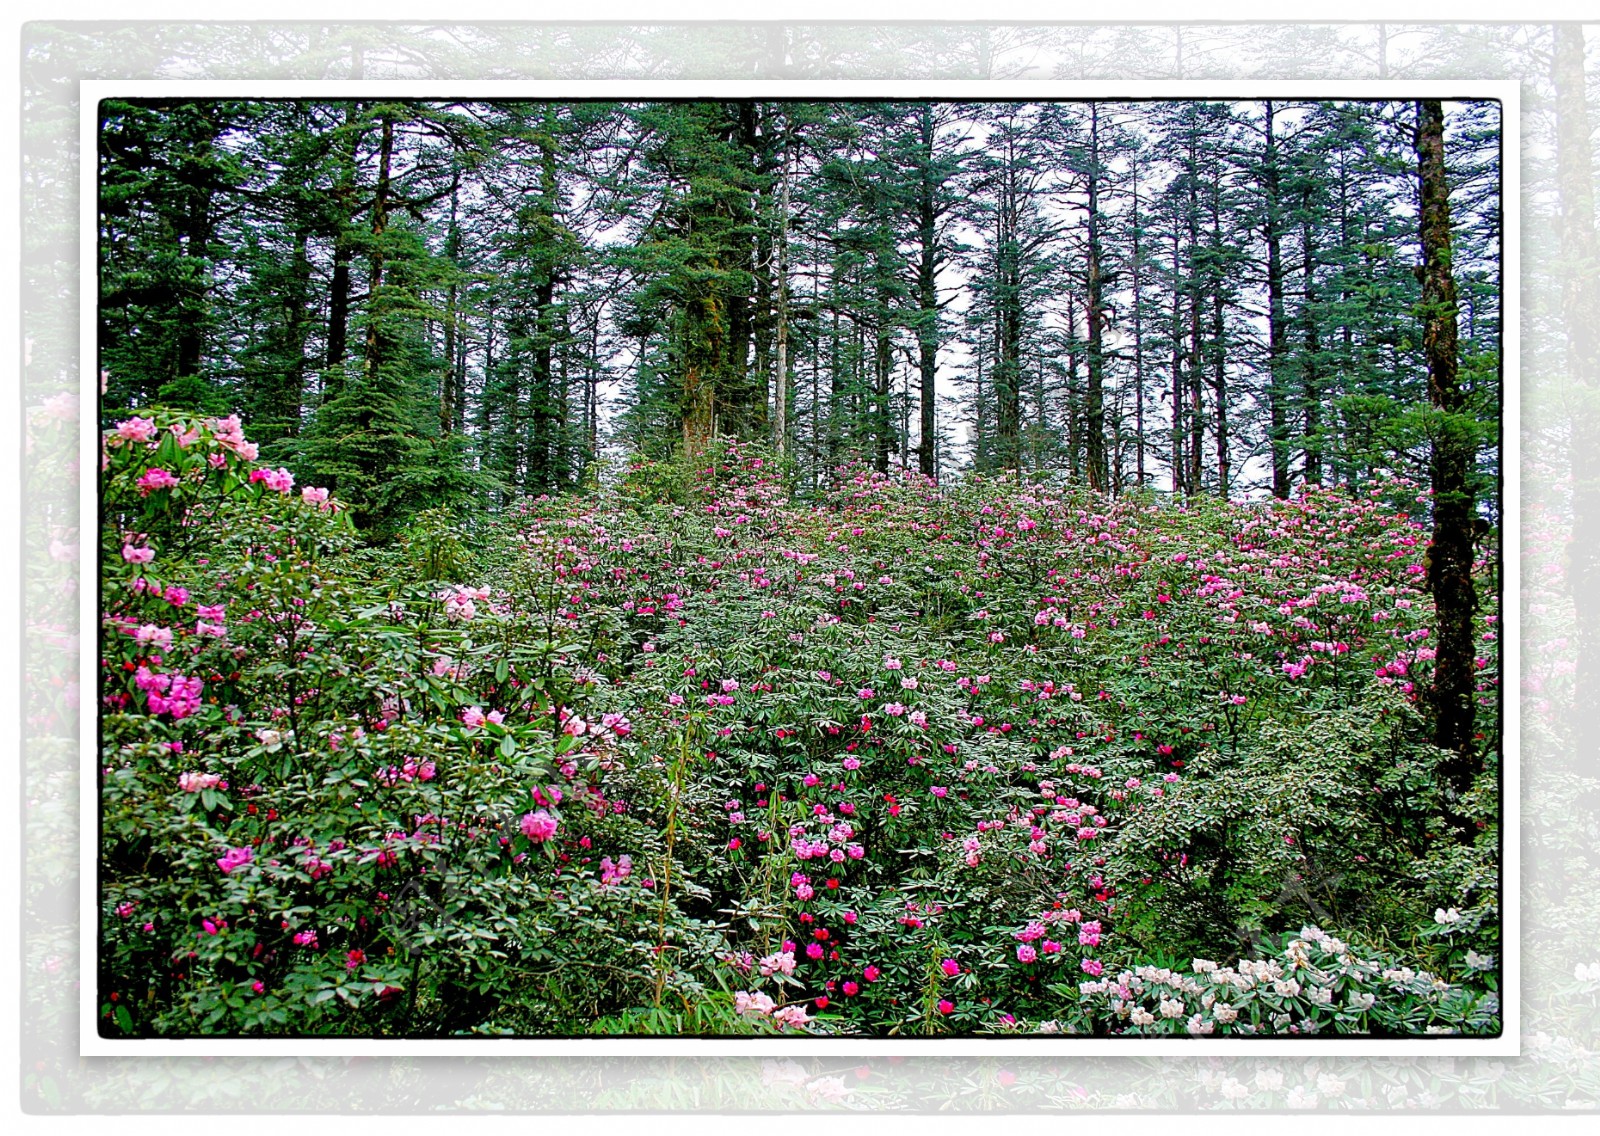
<point>136,429</point>
<point>781,962</point>
<point>791,1016</point>
<point>150,635</point>
<point>195,782</point>
<point>745,1002</point>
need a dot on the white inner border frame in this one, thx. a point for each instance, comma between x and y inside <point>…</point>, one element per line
<point>1508,1044</point>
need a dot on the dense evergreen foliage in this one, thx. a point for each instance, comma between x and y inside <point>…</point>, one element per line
<point>477,301</point>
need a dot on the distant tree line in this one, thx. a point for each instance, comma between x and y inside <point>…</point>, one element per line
<point>423,301</point>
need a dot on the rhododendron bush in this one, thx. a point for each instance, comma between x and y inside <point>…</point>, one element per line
<point>900,759</point>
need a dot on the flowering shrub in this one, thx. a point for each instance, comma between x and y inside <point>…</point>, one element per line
<point>1316,983</point>
<point>901,759</point>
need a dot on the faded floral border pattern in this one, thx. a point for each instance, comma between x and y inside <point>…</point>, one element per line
<point>1560,540</point>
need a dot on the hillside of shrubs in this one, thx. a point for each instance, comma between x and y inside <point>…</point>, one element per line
<point>691,754</point>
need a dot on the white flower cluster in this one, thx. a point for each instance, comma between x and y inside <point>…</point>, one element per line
<point>1317,984</point>
<point>760,1005</point>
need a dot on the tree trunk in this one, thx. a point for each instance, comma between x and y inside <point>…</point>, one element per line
<point>1196,343</point>
<point>542,394</point>
<point>1311,382</point>
<point>1219,350</point>
<point>294,390</point>
<point>927,296</point>
<point>591,398</point>
<point>376,339</point>
<point>1008,335</point>
<point>449,398</point>
<point>742,406</point>
<point>780,399</point>
<point>1178,482</point>
<point>338,316</point>
<point>196,239</point>
<point>1277,331</point>
<point>1450,555</point>
<point>1138,343</point>
<point>883,360</point>
<point>1094,425</point>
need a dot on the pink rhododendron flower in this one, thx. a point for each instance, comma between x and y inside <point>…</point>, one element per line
<point>136,429</point>
<point>615,873</point>
<point>235,858</point>
<point>278,480</point>
<point>154,479</point>
<point>539,826</point>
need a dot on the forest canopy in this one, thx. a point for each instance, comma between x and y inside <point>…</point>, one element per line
<point>422,302</point>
